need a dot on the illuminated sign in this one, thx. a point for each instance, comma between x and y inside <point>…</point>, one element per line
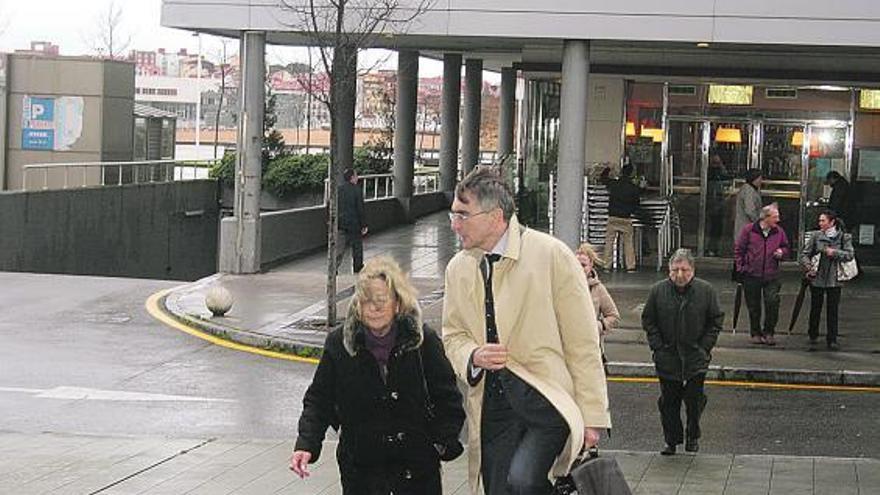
<point>869,99</point>
<point>730,95</point>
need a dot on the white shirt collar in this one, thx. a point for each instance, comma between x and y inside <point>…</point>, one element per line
<point>501,246</point>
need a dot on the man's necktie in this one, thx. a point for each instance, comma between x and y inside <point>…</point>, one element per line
<point>492,382</point>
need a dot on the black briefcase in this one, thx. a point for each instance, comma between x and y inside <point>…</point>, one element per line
<point>593,475</point>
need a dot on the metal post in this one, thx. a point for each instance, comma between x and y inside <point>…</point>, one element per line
<point>470,139</point>
<point>507,111</point>
<point>572,134</point>
<point>405,122</point>
<point>199,98</point>
<point>451,114</point>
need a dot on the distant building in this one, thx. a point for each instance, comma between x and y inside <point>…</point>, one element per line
<point>177,95</point>
<point>41,48</point>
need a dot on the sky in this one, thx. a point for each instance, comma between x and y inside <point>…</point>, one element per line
<point>72,25</point>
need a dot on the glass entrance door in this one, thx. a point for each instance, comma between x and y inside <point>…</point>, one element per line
<point>826,151</point>
<point>686,152</point>
<point>781,162</point>
<point>730,147</point>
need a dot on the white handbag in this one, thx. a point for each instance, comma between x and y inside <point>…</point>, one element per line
<point>846,270</point>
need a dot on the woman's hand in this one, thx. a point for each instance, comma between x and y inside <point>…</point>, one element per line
<point>829,251</point>
<point>299,463</point>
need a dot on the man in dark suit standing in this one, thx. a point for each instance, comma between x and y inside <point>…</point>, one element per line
<point>352,221</point>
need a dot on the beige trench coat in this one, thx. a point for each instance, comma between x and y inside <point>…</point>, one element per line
<point>545,317</point>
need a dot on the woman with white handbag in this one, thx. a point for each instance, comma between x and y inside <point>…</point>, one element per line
<point>828,259</point>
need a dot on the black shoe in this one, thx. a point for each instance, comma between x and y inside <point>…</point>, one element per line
<point>692,445</point>
<point>833,346</point>
<point>668,450</point>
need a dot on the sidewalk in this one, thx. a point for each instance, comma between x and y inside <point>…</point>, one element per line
<point>284,309</point>
<point>80,464</point>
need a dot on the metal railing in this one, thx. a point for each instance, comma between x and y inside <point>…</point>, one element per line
<point>381,186</point>
<point>91,174</point>
<point>426,182</point>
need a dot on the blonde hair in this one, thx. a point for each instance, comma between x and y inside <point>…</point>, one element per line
<point>387,270</point>
<point>589,251</point>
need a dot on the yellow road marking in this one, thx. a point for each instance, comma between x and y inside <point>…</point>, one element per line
<point>769,385</point>
<point>152,306</point>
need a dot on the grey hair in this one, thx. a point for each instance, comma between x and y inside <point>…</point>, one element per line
<point>682,254</point>
<point>488,188</point>
<point>767,210</point>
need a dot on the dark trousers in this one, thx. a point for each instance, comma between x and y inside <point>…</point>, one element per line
<point>521,436</point>
<point>672,394</point>
<point>353,239</point>
<point>817,294</point>
<point>755,289</point>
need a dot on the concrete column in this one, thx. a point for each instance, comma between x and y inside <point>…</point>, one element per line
<point>450,121</point>
<point>240,234</point>
<point>572,140</point>
<point>470,139</point>
<point>405,124</point>
<point>507,113</point>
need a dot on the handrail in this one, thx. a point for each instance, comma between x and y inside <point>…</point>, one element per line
<point>159,171</point>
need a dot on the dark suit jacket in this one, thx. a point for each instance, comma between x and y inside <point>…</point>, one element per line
<point>350,199</point>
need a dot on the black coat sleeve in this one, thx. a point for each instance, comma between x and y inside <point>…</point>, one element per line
<point>449,413</point>
<point>362,216</point>
<point>319,407</point>
<point>714,322</point>
<point>650,323</point>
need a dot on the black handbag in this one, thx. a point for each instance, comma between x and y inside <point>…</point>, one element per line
<point>448,450</point>
<point>593,475</point>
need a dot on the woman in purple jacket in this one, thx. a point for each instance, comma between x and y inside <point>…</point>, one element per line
<point>759,248</point>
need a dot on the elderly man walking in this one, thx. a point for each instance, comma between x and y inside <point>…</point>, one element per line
<point>520,328</point>
<point>682,319</point>
<point>759,248</point>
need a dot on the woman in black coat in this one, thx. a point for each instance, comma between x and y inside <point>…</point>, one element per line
<point>385,384</point>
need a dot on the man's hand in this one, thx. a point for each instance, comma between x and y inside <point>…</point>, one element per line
<point>829,251</point>
<point>299,463</point>
<point>591,437</point>
<point>364,231</point>
<point>778,253</point>
<point>491,357</point>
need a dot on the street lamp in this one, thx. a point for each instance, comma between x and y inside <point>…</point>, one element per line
<point>199,98</point>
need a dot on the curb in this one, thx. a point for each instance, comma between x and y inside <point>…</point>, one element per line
<point>244,337</point>
<point>631,370</point>
<point>720,373</point>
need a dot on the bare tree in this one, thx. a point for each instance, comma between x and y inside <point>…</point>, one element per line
<point>109,40</point>
<point>339,29</point>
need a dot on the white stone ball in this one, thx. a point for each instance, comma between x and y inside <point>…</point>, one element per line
<point>218,300</point>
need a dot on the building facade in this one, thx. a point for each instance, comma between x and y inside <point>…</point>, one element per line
<point>691,93</point>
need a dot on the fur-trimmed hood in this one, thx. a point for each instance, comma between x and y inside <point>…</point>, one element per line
<point>409,328</point>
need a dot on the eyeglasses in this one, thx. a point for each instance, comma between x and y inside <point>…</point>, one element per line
<point>462,216</point>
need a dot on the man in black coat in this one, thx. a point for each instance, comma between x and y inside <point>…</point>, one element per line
<point>839,202</point>
<point>352,221</point>
<point>682,319</point>
<point>623,202</point>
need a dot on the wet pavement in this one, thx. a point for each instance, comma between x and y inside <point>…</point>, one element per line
<point>284,309</point>
<point>97,396</point>
<point>72,464</point>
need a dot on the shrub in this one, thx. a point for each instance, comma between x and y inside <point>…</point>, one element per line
<point>224,170</point>
<point>290,174</point>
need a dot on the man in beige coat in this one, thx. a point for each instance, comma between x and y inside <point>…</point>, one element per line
<point>519,327</point>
